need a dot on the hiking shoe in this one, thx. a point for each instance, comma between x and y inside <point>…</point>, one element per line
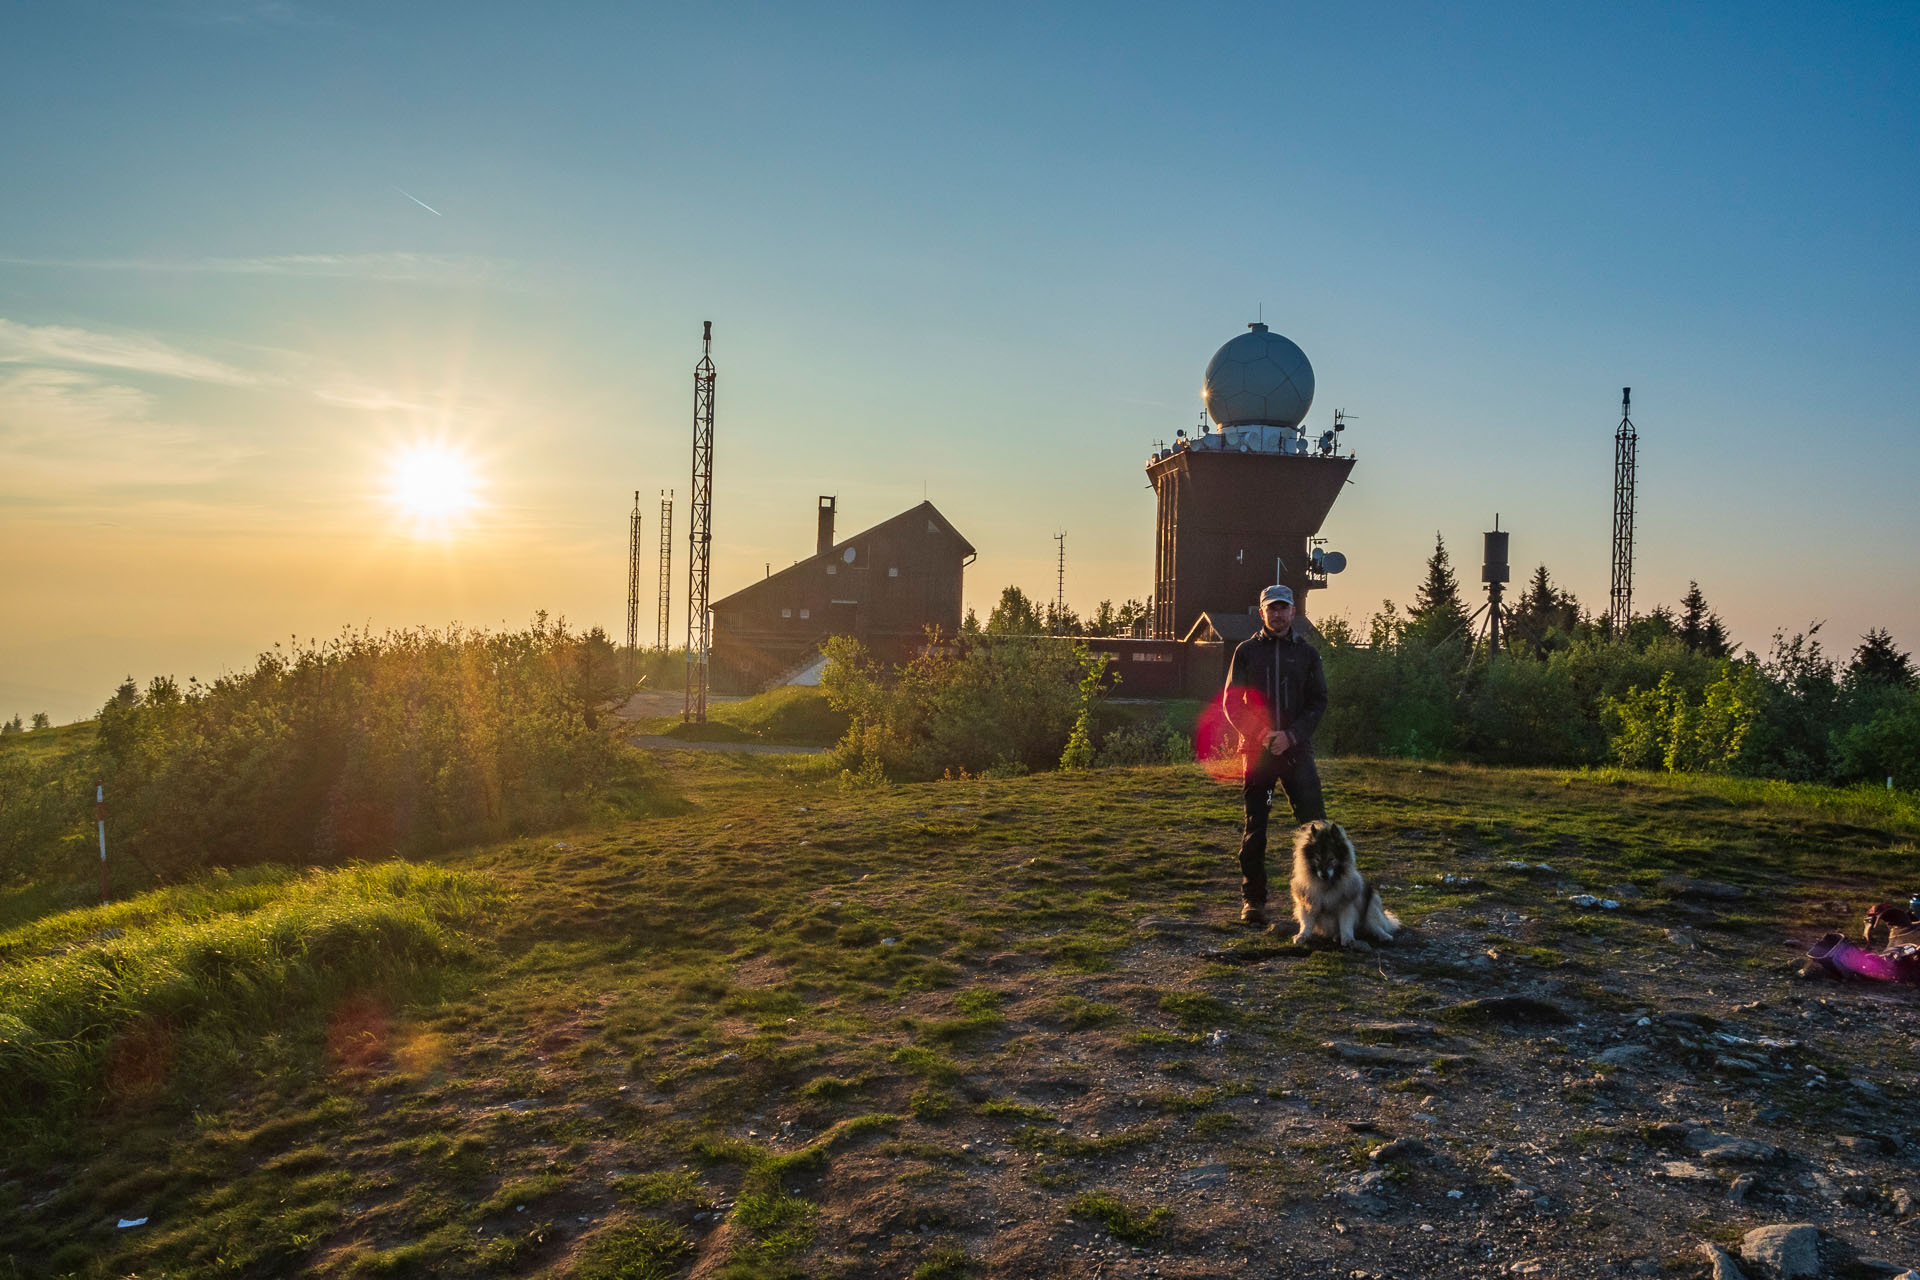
<point>1253,913</point>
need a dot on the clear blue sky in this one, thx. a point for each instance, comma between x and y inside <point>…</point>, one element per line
<point>979,253</point>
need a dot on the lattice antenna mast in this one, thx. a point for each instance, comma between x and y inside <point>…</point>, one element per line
<point>700,533</point>
<point>661,634</point>
<point>1626,446</point>
<point>1060,584</point>
<point>633,591</point>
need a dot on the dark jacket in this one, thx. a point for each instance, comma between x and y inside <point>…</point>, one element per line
<point>1277,678</point>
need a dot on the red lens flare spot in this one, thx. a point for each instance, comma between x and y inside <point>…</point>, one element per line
<point>359,1032</point>
<point>1216,743</point>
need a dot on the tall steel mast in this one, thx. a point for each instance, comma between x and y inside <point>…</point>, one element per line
<point>1626,445</point>
<point>661,634</point>
<point>700,533</point>
<point>633,591</point>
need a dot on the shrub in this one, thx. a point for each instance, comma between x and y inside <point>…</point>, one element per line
<point>366,746</point>
<point>982,704</point>
<point>1883,743</point>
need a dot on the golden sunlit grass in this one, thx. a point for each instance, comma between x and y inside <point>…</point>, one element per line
<point>434,486</point>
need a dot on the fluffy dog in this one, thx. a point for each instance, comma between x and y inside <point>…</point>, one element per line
<point>1331,899</point>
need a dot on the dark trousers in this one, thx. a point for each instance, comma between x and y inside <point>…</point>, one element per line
<point>1294,774</point>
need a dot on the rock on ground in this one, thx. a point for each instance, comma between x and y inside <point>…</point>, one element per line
<point>1723,1265</point>
<point>1783,1251</point>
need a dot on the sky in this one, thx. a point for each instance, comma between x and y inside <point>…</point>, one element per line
<point>254,253</point>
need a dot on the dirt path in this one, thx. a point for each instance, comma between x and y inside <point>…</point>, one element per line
<point>660,742</point>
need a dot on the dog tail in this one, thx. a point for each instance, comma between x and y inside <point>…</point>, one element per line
<point>1380,922</point>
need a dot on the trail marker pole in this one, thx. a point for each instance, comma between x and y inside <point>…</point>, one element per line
<point>100,816</point>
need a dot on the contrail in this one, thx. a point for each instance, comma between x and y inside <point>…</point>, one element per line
<point>422,203</point>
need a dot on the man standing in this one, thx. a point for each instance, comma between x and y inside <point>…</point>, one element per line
<point>1276,693</point>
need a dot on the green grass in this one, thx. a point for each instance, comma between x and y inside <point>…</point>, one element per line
<point>645,1250</point>
<point>1122,1221</point>
<point>175,988</point>
<point>793,715</point>
<point>652,1016</point>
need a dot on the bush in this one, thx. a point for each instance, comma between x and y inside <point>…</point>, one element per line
<point>1001,704</point>
<point>367,746</point>
<point>1884,743</point>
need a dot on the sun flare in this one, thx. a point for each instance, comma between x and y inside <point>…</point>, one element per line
<point>432,484</point>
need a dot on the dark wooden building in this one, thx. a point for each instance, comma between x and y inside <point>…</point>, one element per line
<point>883,586</point>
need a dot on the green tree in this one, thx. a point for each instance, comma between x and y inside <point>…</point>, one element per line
<point>41,720</point>
<point>1876,661</point>
<point>1699,628</point>
<point>13,726</point>
<point>1014,615</point>
<point>1061,620</point>
<point>970,625</point>
<point>1544,618</point>
<point>1437,612</point>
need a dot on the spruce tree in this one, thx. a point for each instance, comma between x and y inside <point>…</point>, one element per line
<point>1876,661</point>
<point>1542,613</point>
<point>1699,628</point>
<point>1437,611</point>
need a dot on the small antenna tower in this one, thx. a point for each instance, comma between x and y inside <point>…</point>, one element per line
<point>1626,446</point>
<point>1060,584</point>
<point>666,567</point>
<point>700,532</point>
<point>633,591</point>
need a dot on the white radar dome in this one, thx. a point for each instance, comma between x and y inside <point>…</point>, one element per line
<point>1258,379</point>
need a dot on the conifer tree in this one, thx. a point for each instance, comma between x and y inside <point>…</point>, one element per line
<point>1437,612</point>
<point>1876,661</point>
<point>1542,612</point>
<point>1699,628</point>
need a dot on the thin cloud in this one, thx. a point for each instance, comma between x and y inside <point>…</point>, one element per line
<point>421,268</point>
<point>63,430</point>
<point>54,344</point>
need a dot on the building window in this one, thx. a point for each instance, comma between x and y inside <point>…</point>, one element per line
<point>893,573</point>
<point>1152,657</point>
<point>806,613</point>
<point>832,569</point>
<point>786,613</point>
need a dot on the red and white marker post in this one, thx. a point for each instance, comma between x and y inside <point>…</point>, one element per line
<point>100,816</point>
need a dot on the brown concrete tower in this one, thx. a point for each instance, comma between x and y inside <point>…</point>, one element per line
<point>1239,505</point>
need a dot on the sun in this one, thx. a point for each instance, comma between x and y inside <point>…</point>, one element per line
<point>432,484</point>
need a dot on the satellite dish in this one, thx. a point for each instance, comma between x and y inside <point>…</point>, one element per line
<point>1328,561</point>
<point>847,555</point>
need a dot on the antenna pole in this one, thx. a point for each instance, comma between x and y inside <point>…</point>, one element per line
<point>661,632</point>
<point>633,591</point>
<point>1626,447</point>
<point>1060,585</point>
<point>700,533</point>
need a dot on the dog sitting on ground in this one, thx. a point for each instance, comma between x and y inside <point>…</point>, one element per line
<point>1331,899</point>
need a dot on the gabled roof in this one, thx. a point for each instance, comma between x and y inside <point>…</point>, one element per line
<point>913,518</point>
<point>1230,627</point>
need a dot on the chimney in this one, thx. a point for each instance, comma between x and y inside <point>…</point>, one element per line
<point>826,524</point>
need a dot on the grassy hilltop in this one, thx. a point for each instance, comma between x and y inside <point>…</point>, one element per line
<point>1001,1027</point>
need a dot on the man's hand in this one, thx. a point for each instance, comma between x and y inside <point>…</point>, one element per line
<point>1279,742</point>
